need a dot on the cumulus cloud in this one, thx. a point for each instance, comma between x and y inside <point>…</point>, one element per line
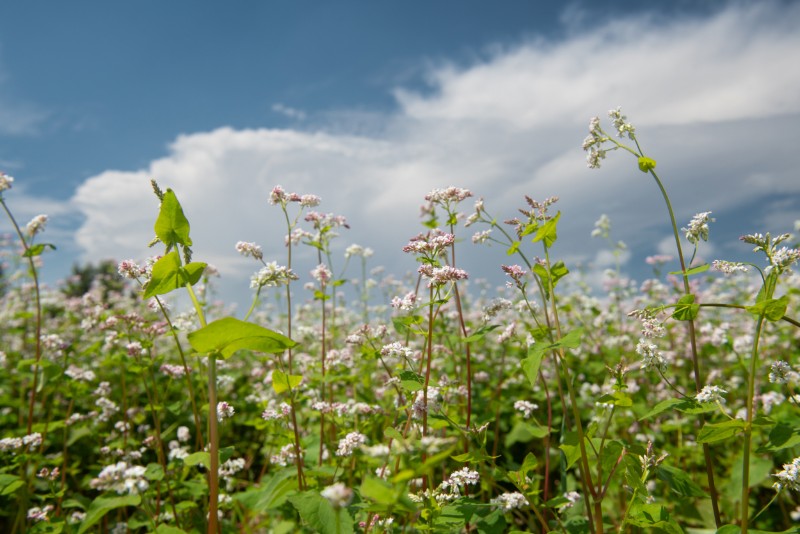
<point>715,100</point>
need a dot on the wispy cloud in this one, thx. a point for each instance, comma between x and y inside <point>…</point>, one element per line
<point>287,111</point>
<point>716,101</point>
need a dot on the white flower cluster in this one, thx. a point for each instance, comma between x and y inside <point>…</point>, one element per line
<point>349,443</point>
<point>272,275</point>
<point>338,495</point>
<point>711,394</point>
<point>510,501</point>
<point>789,477</point>
<point>121,478</point>
<point>30,442</point>
<point>698,228</point>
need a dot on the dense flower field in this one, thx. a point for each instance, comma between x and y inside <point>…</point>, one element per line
<point>431,403</point>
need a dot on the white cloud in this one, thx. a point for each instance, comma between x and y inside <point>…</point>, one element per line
<point>290,112</point>
<point>715,101</point>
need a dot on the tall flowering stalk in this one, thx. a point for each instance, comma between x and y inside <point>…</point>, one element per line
<point>598,143</point>
<point>30,251</point>
<point>448,199</point>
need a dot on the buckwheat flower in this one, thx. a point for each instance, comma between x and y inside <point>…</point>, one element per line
<point>572,497</point>
<point>32,441</point>
<point>36,225</point>
<point>602,227</point>
<point>338,495</point>
<point>514,271</point>
<point>618,120</point>
<point>526,407</point>
<point>183,434</point>
<point>5,181</point>
<point>651,356</point>
<point>322,274</point>
<point>231,467</point>
<point>510,501</point>
<point>349,443</point>
<point>419,408</point>
<point>496,306</point>
<point>439,276</point>
<point>224,411</point>
<point>121,478</point>
<point>37,514</point>
<point>248,249</point>
<point>789,477</point>
<point>129,269</point>
<point>770,399</point>
<point>464,476</point>
<point>272,275</point>
<point>782,259</point>
<point>278,196</point>
<point>76,373</point>
<point>658,259</point>
<point>310,201</point>
<point>173,371</point>
<point>134,348</point>
<point>481,237</point>
<point>406,303</point>
<point>698,228</point>
<point>782,373</point>
<point>450,194</point>
<point>728,267</point>
<point>711,394</point>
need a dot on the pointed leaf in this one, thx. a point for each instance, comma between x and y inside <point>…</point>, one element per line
<point>686,309</point>
<point>37,249</point>
<point>229,334</point>
<point>282,382</point>
<point>172,227</point>
<point>694,270</point>
<point>713,432</point>
<point>102,505</point>
<point>547,231</point>
<point>320,514</point>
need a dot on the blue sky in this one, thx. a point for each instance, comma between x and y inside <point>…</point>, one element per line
<point>373,104</point>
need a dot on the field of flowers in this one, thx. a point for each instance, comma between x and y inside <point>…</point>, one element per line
<point>377,404</point>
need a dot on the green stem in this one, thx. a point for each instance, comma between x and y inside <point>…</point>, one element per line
<point>748,431</point>
<point>35,276</point>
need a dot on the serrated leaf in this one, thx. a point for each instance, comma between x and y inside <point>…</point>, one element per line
<point>102,505</point>
<point>229,334</point>
<point>172,226</point>
<point>282,382</point>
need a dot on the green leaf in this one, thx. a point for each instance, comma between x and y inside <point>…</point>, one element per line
<point>686,309</point>
<point>771,309</point>
<point>713,432</point>
<point>646,164</point>
<point>282,382</point>
<point>102,505</point>
<point>411,381</point>
<point>315,510</point>
<point>154,472</point>
<point>481,333</point>
<point>547,231</point>
<point>271,495</point>
<point>513,248</point>
<point>168,275</point>
<point>694,270</point>
<point>617,398</point>
<point>532,363</point>
<point>163,528</point>
<point>10,484</point>
<point>653,516</point>
<point>172,227</point>
<point>37,249</point>
<point>781,437</point>
<point>229,334</point>
<point>680,482</point>
<point>201,457</point>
